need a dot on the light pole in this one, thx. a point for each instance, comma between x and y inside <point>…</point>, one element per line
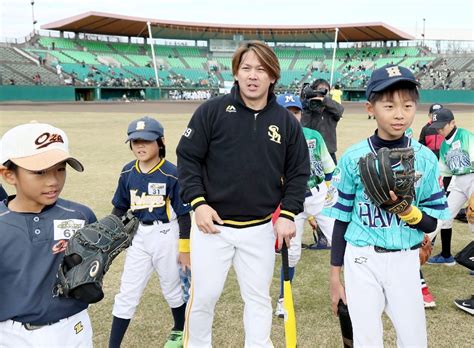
<point>33,15</point>
<point>423,33</point>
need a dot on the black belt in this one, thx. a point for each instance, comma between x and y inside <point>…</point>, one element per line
<point>31,326</point>
<point>149,223</point>
<point>379,249</point>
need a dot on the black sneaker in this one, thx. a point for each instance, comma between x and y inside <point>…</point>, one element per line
<point>466,305</point>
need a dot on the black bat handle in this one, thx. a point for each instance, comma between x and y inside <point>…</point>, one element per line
<point>284,260</point>
<point>346,324</point>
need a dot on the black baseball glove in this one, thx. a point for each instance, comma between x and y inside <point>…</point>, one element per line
<point>89,254</point>
<point>379,178</point>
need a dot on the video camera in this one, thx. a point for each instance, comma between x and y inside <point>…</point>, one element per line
<point>308,93</point>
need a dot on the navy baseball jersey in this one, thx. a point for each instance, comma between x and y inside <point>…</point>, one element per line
<point>371,225</point>
<point>31,248</point>
<point>151,196</point>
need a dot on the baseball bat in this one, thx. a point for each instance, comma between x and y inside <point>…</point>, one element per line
<point>290,320</point>
<point>346,324</point>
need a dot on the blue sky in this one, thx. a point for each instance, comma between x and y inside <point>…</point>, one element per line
<point>443,19</point>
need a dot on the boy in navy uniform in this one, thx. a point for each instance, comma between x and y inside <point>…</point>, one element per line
<point>35,225</point>
<point>149,187</point>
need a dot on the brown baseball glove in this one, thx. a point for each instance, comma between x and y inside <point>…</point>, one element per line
<point>470,210</point>
<point>425,250</point>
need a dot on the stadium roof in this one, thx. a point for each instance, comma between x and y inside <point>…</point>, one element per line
<point>110,24</point>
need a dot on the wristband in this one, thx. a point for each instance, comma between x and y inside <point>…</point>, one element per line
<point>310,218</point>
<point>184,246</point>
<point>413,217</point>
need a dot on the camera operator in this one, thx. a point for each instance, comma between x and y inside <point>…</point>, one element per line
<point>321,113</point>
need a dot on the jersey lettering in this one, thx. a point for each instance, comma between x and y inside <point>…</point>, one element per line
<point>65,229</point>
<point>188,133</point>
<point>373,216</point>
<point>145,201</point>
<point>273,134</point>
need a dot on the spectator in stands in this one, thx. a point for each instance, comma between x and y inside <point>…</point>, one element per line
<point>37,79</point>
<point>322,113</point>
<point>11,82</point>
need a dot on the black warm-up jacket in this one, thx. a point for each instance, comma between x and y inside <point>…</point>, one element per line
<point>243,162</point>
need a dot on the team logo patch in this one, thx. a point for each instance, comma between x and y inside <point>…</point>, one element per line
<point>78,327</point>
<point>273,134</point>
<point>140,125</point>
<point>230,108</point>
<point>165,231</point>
<point>360,260</point>
<point>65,229</point>
<point>289,99</point>
<point>156,189</point>
<point>331,197</point>
<point>393,71</point>
<point>47,139</point>
<point>336,175</point>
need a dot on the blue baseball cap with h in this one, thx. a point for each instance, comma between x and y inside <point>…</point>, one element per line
<point>287,100</point>
<point>388,75</point>
<point>145,128</point>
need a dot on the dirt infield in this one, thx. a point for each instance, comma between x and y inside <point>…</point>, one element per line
<point>171,107</point>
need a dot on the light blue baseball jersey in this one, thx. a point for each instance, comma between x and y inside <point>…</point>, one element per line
<point>370,225</point>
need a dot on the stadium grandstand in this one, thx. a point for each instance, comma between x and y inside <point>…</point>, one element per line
<point>102,56</point>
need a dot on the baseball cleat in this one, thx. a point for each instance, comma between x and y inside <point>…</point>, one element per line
<point>466,305</point>
<point>428,299</point>
<point>441,260</point>
<point>175,340</point>
<point>280,310</point>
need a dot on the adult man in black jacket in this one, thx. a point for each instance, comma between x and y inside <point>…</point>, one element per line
<point>321,113</point>
<point>240,156</point>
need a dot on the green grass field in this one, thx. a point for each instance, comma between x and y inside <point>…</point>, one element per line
<point>97,139</point>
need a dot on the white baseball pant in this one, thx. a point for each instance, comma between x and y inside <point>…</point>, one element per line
<point>154,247</point>
<point>74,331</point>
<point>313,206</point>
<point>460,191</point>
<point>251,251</point>
<point>377,282</point>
